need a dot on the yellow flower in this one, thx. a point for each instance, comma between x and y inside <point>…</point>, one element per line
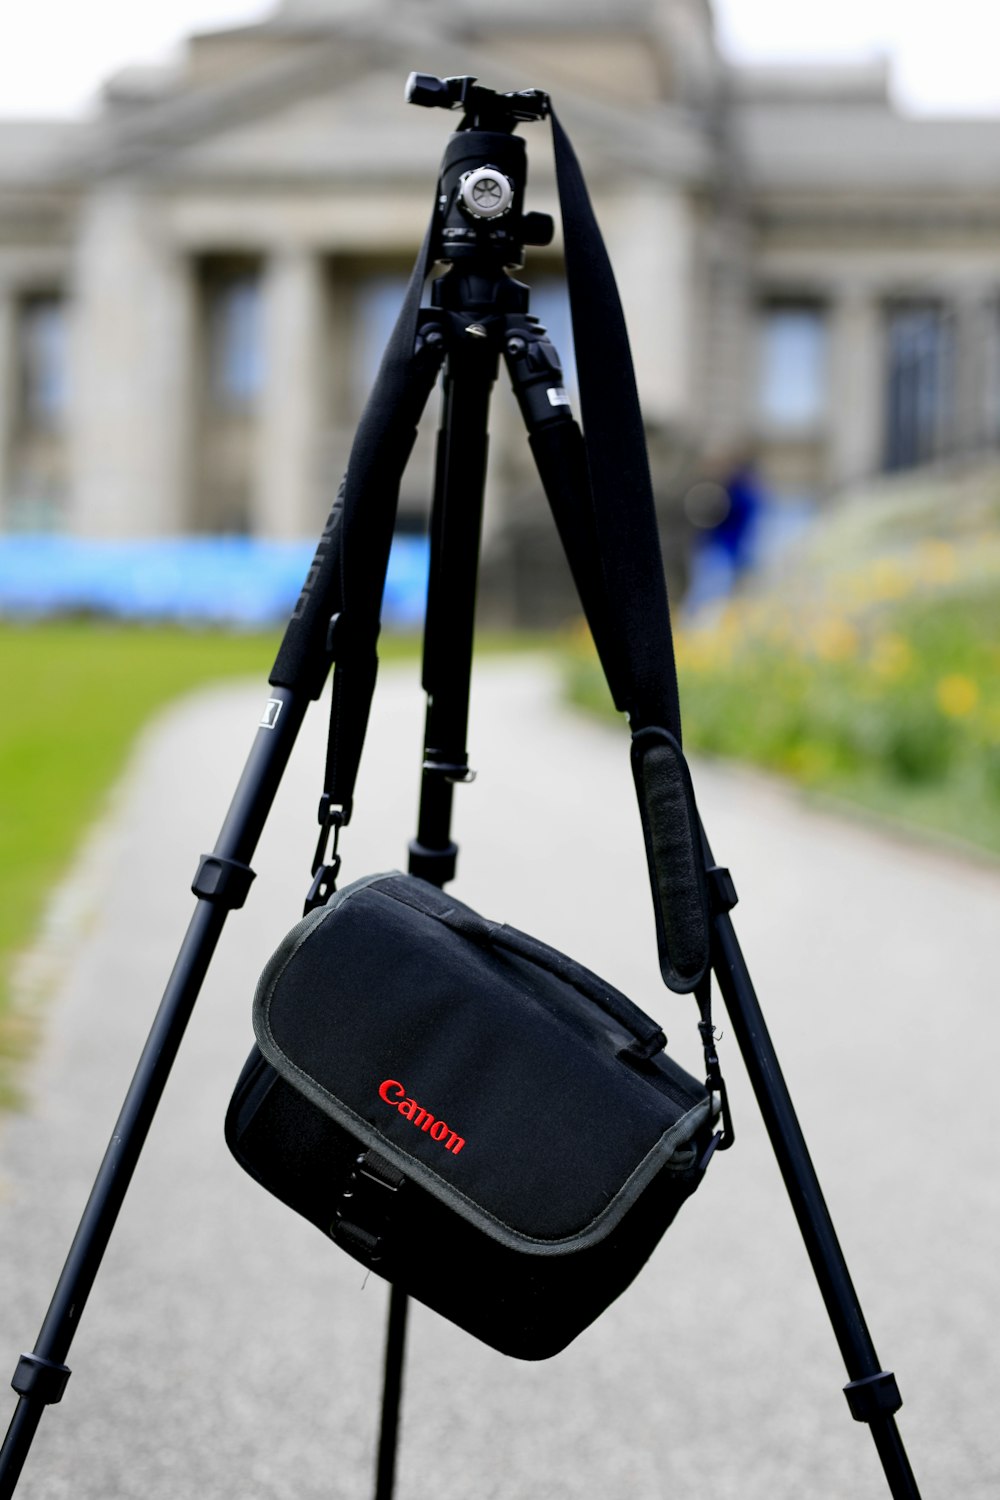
<point>888,579</point>
<point>728,627</point>
<point>855,589</point>
<point>808,761</point>
<point>835,639</point>
<point>957,695</point>
<point>892,656</point>
<point>693,650</point>
<point>776,626</point>
<point>937,561</point>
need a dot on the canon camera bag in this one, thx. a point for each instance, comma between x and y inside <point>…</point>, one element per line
<point>466,1111</point>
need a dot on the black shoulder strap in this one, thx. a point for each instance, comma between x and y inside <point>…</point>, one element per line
<point>634,603</point>
<point>619,533</point>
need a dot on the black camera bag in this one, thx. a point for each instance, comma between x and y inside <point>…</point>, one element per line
<point>466,1111</point>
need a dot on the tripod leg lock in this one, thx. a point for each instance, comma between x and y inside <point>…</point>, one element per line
<point>40,1379</point>
<point>436,865</point>
<point>224,881</point>
<point>721,889</point>
<point>873,1397</point>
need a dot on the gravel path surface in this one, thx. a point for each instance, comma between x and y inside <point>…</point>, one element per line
<point>228,1351</point>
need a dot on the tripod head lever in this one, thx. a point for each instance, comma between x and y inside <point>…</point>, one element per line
<point>485,109</point>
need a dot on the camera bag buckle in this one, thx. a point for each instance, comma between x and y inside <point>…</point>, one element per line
<point>366,1209</point>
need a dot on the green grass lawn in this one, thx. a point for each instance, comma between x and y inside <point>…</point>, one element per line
<point>76,696</point>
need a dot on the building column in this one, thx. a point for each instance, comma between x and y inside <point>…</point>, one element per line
<point>131,371</point>
<point>7,395</point>
<point>651,241</point>
<point>727,384</point>
<point>857,384</point>
<point>977,367</point>
<point>286,501</point>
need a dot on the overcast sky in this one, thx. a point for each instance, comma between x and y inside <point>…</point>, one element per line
<point>54,54</point>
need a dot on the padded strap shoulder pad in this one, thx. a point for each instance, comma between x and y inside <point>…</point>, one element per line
<point>673,851</point>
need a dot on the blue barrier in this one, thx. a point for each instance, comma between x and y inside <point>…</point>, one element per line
<point>243,581</point>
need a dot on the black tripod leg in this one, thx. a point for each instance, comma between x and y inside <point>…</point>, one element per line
<point>456,522</point>
<point>392,1394</point>
<point>872,1393</point>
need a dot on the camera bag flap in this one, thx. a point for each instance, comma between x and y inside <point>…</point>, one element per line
<point>465,1110</point>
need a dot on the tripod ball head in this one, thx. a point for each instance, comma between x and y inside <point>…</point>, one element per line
<point>481,187</point>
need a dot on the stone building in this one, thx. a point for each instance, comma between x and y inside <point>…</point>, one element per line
<point>196,283</point>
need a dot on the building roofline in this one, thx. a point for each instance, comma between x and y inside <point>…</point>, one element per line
<point>143,138</point>
<point>862,82</point>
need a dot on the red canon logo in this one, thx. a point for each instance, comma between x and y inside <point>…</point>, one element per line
<point>394,1094</point>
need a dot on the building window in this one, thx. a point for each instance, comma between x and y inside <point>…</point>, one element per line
<point>231,385</point>
<point>42,363</point>
<point>793,369</point>
<point>550,305</point>
<point>920,345</point>
<point>236,363</point>
<point>378,299</point>
<point>35,456</point>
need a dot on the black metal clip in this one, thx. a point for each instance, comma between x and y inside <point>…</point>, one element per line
<point>714,1081</point>
<point>325,870</point>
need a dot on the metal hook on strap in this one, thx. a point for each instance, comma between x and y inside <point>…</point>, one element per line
<point>325,869</point>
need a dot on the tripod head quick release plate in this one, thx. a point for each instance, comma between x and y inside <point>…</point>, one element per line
<point>485,109</point>
<point>483,175</point>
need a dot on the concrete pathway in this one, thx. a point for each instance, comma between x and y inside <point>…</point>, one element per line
<point>229,1352</point>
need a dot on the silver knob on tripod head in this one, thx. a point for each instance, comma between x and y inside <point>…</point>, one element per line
<point>485,193</point>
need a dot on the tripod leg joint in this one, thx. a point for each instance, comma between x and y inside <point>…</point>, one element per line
<point>873,1397</point>
<point>40,1379</point>
<point>226,882</point>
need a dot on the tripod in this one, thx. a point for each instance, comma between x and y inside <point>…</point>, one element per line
<point>478,316</point>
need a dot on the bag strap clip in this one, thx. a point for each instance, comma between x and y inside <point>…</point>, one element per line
<point>325,870</point>
<point>714,1081</point>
